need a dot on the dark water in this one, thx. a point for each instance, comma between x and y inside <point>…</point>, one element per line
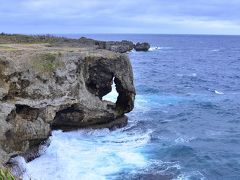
<point>186,123</point>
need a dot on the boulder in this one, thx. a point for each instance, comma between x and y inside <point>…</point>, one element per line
<point>142,46</point>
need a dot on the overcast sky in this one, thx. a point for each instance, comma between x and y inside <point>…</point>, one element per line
<point>120,16</point>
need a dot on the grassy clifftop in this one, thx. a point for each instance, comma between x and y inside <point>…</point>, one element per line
<point>19,38</point>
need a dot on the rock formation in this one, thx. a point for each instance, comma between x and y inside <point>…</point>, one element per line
<point>115,46</point>
<point>121,47</point>
<point>45,87</point>
<point>142,46</point>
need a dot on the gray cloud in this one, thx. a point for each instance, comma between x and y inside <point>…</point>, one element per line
<point>122,16</point>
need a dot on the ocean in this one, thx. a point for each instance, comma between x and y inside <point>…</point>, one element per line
<point>185,124</point>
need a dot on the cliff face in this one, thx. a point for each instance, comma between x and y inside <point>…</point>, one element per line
<point>45,88</point>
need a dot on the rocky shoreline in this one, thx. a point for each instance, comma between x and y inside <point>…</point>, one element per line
<point>60,85</point>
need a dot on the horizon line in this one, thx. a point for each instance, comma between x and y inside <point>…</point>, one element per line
<point>168,34</point>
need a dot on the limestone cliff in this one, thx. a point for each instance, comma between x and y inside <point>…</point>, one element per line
<point>44,88</point>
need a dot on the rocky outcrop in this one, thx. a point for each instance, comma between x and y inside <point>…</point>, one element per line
<point>142,46</point>
<point>83,42</point>
<point>119,46</point>
<point>45,88</point>
<point>115,46</point>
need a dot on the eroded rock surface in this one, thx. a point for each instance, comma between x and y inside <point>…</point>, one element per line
<point>115,46</point>
<point>142,46</point>
<point>44,88</point>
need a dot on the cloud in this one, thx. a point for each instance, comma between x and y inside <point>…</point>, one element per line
<point>122,16</point>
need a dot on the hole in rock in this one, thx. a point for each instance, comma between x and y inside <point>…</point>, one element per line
<point>113,95</point>
<point>27,112</point>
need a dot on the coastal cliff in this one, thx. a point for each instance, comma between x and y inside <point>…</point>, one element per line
<point>44,87</point>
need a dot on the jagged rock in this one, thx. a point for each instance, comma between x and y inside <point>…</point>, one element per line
<point>4,157</point>
<point>121,47</point>
<point>142,46</point>
<point>59,88</point>
<point>115,46</point>
<point>92,43</point>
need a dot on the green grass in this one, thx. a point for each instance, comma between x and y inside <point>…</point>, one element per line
<point>31,39</point>
<point>46,63</point>
<point>6,175</point>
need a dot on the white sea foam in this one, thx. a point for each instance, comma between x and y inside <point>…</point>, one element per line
<point>194,74</point>
<point>159,48</point>
<point>191,175</point>
<point>215,50</point>
<point>88,154</point>
<point>218,92</point>
<point>100,154</point>
<point>183,140</point>
<point>112,96</point>
<point>161,168</point>
<point>187,75</point>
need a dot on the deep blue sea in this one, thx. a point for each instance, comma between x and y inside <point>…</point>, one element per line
<point>185,125</point>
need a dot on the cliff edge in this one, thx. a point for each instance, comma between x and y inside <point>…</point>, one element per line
<point>45,87</point>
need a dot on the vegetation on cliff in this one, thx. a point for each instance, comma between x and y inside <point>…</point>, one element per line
<point>20,38</point>
<point>46,62</point>
<point>55,41</point>
<point>6,175</point>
